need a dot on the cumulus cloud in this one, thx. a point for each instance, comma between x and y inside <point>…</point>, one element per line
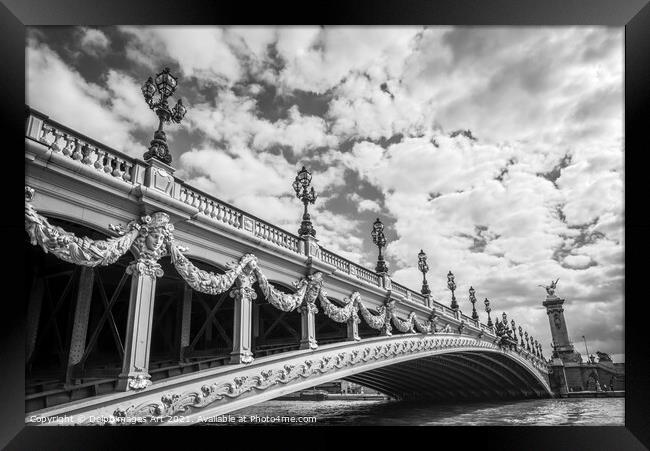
<point>101,112</point>
<point>198,51</point>
<point>235,120</point>
<point>93,41</point>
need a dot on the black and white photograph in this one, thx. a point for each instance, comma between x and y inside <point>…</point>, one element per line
<point>324,225</point>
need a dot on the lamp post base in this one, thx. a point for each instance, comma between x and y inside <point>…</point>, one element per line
<point>158,148</point>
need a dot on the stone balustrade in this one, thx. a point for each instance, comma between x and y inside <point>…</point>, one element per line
<point>233,217</point>
<point>348,267</point>
<point>399,289</point>
<point>77,147</point>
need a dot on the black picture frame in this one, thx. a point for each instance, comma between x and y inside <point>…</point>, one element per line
<point>634,15</point>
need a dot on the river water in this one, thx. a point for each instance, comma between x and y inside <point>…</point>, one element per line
<point>548,412</point>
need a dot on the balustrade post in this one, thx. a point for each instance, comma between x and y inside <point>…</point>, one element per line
<point>385,282</point>
<point>241,343</point>
<point>308,325</point>
<point>159,176</point>
<point>34,127</point>
<point>312,249</point>
<point>81,316</point>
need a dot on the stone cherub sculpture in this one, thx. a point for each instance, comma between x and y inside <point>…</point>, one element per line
<point>550,289</point>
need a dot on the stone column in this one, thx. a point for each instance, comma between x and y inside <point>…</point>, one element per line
<point>153,242</point>
<point>387,329</point>
<point>135,367</point>
<point>308,325</point>
<point>81,315</point>
<point>185,314</point>
<point>353,328</point>
<point>241,343</point>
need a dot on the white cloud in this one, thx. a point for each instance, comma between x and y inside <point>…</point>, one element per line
<point>94,41</point>
<point>319,59</point>
<point>235,120</point>
<point>199,51</point>
<point>577,261</point>
<point>61,92</point>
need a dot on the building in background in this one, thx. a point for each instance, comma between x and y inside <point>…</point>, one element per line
<point>568,372</point>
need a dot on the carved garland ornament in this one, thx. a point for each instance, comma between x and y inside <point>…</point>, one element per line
<point>206,281</point>
<point>174,403</point>
<point>71,248</point>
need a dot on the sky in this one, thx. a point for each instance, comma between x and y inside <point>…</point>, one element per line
<point>496,150</point>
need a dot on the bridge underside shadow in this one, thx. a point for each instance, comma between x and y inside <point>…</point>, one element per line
<point>454,377</point>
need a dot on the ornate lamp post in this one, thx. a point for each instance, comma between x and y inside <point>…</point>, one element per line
<point>472,299</point>
<point>488,309</point>
<point>380,241</point>
<point>514,330</point>
<point>527,342</point>
<point>424,268</point>
<point>307,196</point>
<point>451,284</point>
<point>521,337</point>
<point>156,94</point>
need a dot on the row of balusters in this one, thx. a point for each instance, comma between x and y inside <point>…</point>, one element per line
<point>210,208</point>
<point>234,218</point>
<point>87,154</point>
<point>276,236</point>
<point>364,274</point>
<point>334,260</point>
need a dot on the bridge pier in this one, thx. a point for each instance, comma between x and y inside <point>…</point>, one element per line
<point>135,366</point>
<point>241,343</point>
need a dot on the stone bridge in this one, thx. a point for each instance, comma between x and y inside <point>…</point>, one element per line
<point>149,300</point>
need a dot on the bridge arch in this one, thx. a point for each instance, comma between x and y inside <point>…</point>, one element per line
<point>403,366</point>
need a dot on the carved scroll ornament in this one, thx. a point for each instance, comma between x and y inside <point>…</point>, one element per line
<point>71,248</point>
